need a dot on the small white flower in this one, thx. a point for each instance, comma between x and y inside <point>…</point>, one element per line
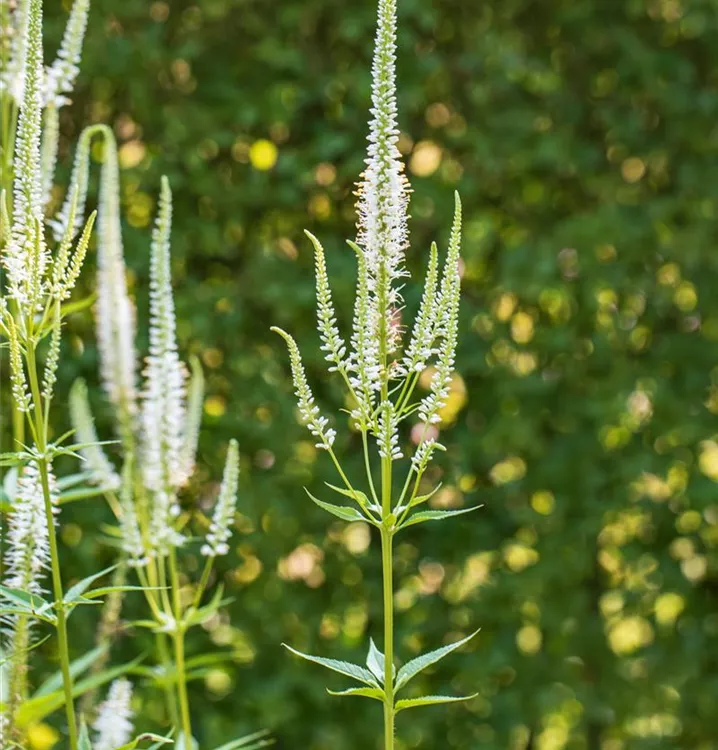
<point>114,717</point>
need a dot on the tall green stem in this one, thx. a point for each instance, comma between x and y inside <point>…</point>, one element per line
<point>387,558</point>
<point>178,636</point>
<point>58,593</point>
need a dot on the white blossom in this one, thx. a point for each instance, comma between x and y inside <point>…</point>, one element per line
<point>420,348</point>
<point>309,413</point>
<point>114,717</point>
<point>193,419</point>
<point>387,436</point>
<point>219,530</point>
<point>102,473</point>
<point>61,75</point>
<point>132,543</point>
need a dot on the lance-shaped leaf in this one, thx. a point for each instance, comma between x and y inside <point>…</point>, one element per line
<point>74,593</point>
<point>250,742</point>
<point>340,511</point>
<point>366,692</point>
<point>77,667</point>
<point>435,515</point>
<point>375,661</point>
<point>83,741</point>
<point>413,667</point>
<point>361,674</point>
<point>147,737</point>
<point>430,700</point>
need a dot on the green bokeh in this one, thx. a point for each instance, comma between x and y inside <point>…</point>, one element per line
<point>583,138</point>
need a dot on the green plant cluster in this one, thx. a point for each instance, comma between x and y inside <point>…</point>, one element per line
<point>583,138</point>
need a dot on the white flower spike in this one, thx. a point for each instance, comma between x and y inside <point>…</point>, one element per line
<point>219,530</point>
<point>114,718</point>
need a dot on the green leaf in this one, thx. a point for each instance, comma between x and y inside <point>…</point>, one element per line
<point>81,304</point>
<point>74,593</point>
<point>343,667</point>
<point>183,744</point>
<point>345,513</point>
<point>435,515</point>
<point>27,604</point>
<point>83,741</point>
<point>366,692</point>
<point>36,709</point>
<point>423,498</point>
<point>246,742</point>
<point>375,661</point>
<point>430,700</point>
<point>77,667</point>
<point>413,667</point>
<point>147,737</point>
<point>356,495</point>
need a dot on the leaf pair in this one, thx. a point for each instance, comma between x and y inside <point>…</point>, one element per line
<point>372,676</point>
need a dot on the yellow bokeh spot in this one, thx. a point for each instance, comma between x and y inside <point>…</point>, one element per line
<point>685,297</point>
<point>426,159</point>
<point>320,206</point>
<point>629,635</point>
<point>543,502</point>
<point>689,522</point>
<point>215,406</point>
<point>218,681</point>
<point>42,736</point>
<point>131,154</point>
<point>522,328</point>
<point>708,459</point>
<point>508,470</point>
<point>456,400</point>
<point>669,274</point>
<point>668,607</point>
<point>529,639</point>
<point>633,169</point>
<point>263,154</point>
<point>505,306</point>
<point>356,538</point>
<point>518,557</point>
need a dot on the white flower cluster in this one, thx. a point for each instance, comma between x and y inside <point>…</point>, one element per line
<point>114,717</point>
<point>219,530</point>
<point>59,78</point>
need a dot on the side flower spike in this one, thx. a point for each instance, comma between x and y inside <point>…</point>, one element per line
<point>308,411</point>
<point>114,717</point>
<point>61,75</point>
<point>219,530</point>
<point>102,472</point>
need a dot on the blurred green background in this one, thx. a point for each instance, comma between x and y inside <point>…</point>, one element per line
<point>583,138</point>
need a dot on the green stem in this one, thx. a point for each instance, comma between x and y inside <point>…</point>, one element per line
<point>178,636</point>
<point>387,559</point>
<point>58,593</point>
<point>387,572</point>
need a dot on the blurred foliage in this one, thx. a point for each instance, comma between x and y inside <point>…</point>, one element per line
<point>583,138</point>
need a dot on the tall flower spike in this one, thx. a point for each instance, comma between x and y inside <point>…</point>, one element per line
<point>163,413</point>
<point>26,255</point>
<point>115,312</point>
<point>52,361</point>
<point>387,436</point>
<point>20,391</point>
<point>114,717</point>
<point>219,530</point>
<point>61,75</point>
<point>384,191</point>
<point>447,327</point>
<point>308,411</point>
<point>101,470</point>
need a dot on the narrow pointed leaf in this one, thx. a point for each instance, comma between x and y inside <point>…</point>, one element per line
<point>356,495</point>
<point>75,592</point>
<point>435,515</point>
<point>419,500</point>
<point>345,513</point>
<point>342,667</point>
<point>246,742</point>
<point>77,667</point>
<point>366,692</point>
<point>430,700</point>
<point>83,741</point>
<point>147,737</point>
<point>413,667</point>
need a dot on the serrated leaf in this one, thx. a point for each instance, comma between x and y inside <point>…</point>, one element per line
<point>342,667</point>
<point>430,700</point>
<point>77,667</point>
<point>366,692</point>
<point>435,515</point>
<point>413,667</point>
<point>375,661</point>
<point>356,495</point>
<point>340,511</point>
